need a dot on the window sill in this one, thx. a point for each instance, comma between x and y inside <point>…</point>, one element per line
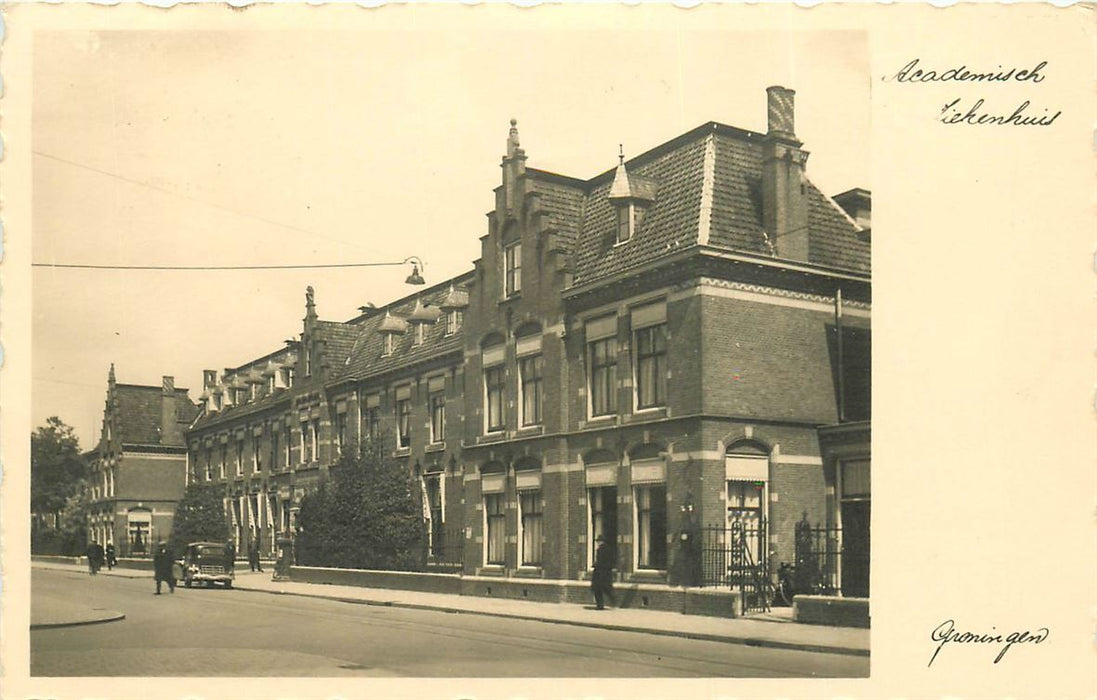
<point>492,570</point>
<point>646,413</point>
<point>648,576</point>
<point>494,436</point>
<point>436,446</point>
<point>531,430</point>
<point>529,571</point>
<point>511,297</point>
<point>402,451</point>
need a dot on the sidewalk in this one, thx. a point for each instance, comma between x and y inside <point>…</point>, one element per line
<point>774,630</point>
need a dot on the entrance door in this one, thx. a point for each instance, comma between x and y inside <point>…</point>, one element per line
<point>855,548</point>
<point>603,519</point>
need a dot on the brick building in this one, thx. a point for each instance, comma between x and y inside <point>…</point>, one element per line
<point>648,355</point>
<point>138,469</point>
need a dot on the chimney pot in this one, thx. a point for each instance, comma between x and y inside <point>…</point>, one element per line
<point>781,111</point>
<point>169,385</point>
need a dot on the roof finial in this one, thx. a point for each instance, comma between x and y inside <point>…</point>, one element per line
<point>621,153</point>
<point>512,138</point>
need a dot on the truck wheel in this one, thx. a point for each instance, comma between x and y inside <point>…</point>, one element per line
<point>228,584</point>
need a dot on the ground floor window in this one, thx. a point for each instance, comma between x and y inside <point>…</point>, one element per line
<point>494,527</point>
<point>531,512</point>
<point>139,531</point>
<point>603,519</point>
<point>432,487</point>
<point>651,526</point>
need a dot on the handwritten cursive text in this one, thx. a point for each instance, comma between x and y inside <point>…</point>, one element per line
<point>911,73</point>
<point>946,633</point>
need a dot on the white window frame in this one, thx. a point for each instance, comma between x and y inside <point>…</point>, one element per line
<point>660,377</point>
<point>636,527</point>
<point>533,357</point>
<point>538,497</point>
<point>512,269</point>
<point>501,495</point>
<point>437,433</point>
<point>488,428</point>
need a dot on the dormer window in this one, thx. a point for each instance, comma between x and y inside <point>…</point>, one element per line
<point>630,195</point>
<point>512,257</point>
<point>390,326</point>
<point>625,214</point>
<point>453,305</point>
<point>453,321</point>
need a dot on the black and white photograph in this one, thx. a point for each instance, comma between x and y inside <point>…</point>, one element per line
<point>621,424</point>
<point>495,344</point>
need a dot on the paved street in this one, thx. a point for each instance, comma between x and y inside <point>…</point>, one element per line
<point>202,632</point>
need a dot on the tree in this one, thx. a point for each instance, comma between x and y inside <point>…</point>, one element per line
<point>56,467</point>
<point>199,517</point>
<point>367,516</point>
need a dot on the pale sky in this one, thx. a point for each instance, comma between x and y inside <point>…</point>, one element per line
<point>273,148</point>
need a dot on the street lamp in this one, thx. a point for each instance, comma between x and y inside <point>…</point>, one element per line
<point>415,277</point>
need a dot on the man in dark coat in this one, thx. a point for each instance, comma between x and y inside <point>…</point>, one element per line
<point>110,556</point>
<point>601,582</point>
<point>253,555</point>
<point>95,557</point>
<point>164,568</point>
<point>230,556</point>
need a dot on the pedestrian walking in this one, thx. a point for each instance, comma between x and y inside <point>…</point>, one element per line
<point>163,567</point>
<point>111,559</point>
<point>230,555</point>
<point>94,554</point>
<point>253,555</point>
<point>601,582</point>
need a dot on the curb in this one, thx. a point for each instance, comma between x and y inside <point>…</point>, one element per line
<point>745,641</point>
<point>112,617</point>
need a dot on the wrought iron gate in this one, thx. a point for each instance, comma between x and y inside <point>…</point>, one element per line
<point>736,557</point>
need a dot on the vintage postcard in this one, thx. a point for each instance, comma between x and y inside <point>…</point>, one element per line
<point>560,351</point>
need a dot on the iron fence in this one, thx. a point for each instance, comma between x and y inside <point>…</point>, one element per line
<point>736,557</point>
<point>446,550</point>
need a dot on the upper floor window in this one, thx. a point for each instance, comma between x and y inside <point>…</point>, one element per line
<point>257,460</point>
<point>315,439</point>
<point>306,442</point>
<point>287,376</point>
<point>453,321</point>
<point>403,417</point>
<point>530,369</point>
<point>493,388</point>
<point>437,416</point>
<point>624,222</point>
<point>274,450</point>
<point>649,325</point>
<point>308,361</point>
<point>492,358</point>
<point>513,269</point>
<point>239,457</point>
<point>224,459</point>
<point>601,336</point>
<point>289,443</point>
<point>387,350</point>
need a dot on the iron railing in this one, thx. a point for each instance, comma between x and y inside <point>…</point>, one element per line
<point>736,557</point>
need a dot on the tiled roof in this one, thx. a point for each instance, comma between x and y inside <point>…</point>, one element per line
<point>137,413</point>
<point>673,221</point>
<point>338,340</point>
<point>562,205</point>
<point>365,358</point>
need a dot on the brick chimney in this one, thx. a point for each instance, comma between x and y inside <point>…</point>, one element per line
<point>784,190</point>
<point>170,431</point>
